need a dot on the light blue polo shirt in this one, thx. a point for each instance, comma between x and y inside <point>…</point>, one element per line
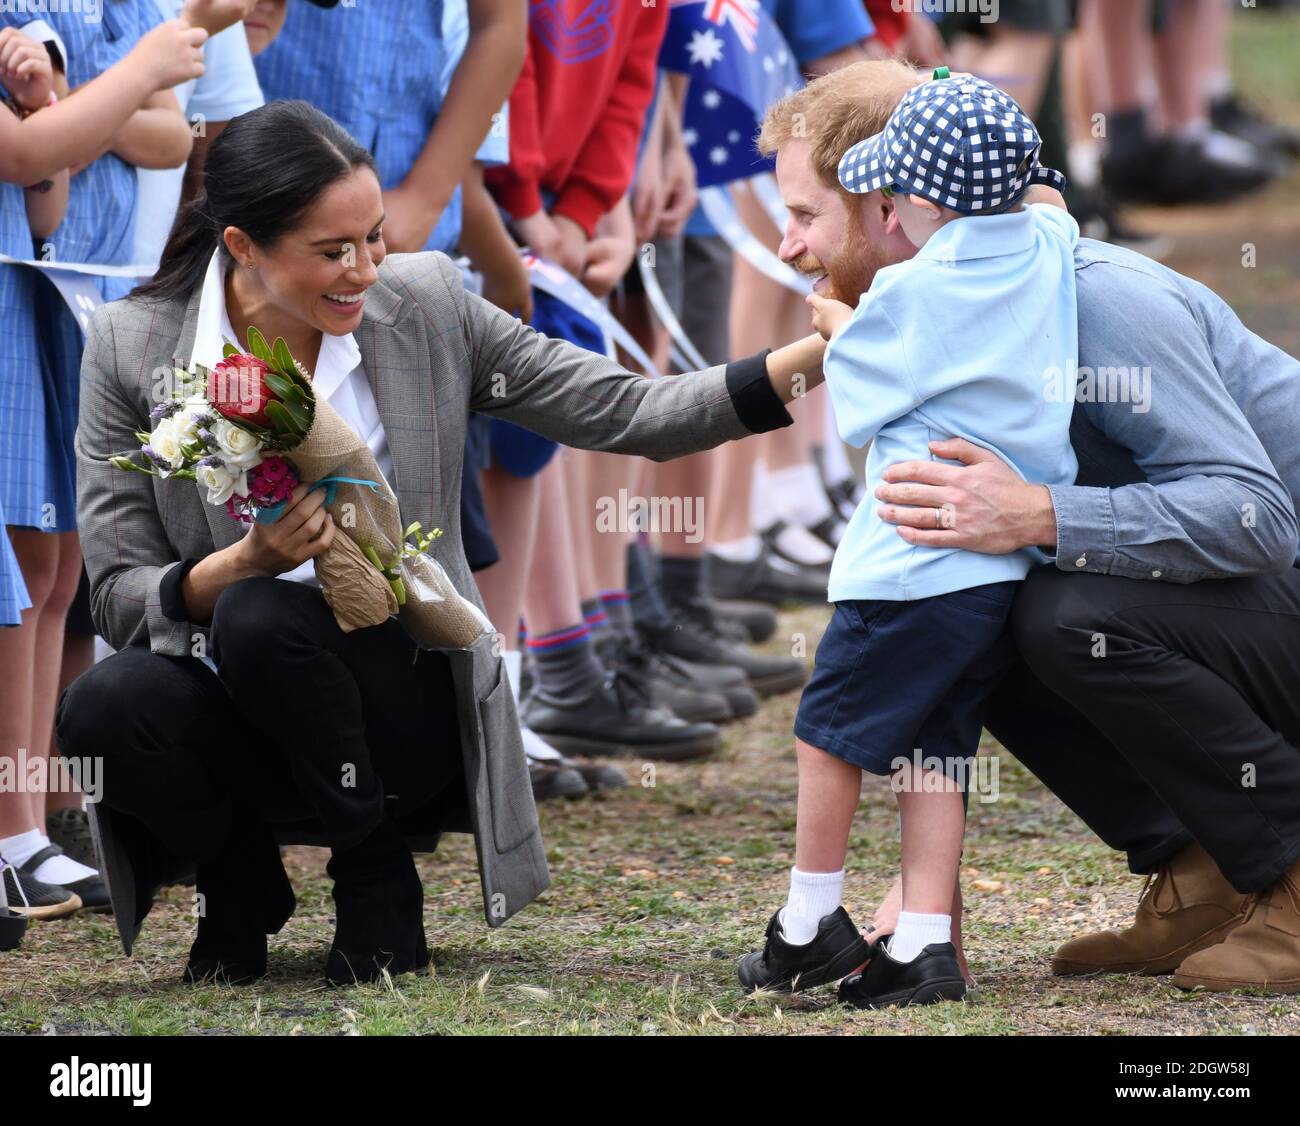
<point>971,338</point>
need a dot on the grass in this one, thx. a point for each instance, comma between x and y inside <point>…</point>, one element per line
<point>658,890</point>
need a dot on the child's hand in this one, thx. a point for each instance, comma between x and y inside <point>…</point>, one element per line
<point>608,259</point>
<point>25,69</point>
<point>829,316</point>
<point>172,53</point>
<point>506,285</point>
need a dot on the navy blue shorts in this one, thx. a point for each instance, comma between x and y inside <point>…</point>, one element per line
<point>891,677</point>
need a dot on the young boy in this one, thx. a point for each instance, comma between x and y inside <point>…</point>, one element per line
<point>960,341</point>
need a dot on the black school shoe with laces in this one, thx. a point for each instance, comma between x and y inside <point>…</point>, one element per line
<point>836,950</point>
<point>933,975</point>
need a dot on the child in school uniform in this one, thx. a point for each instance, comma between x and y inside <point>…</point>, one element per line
<point>957,342</point>
<point>121,65</point>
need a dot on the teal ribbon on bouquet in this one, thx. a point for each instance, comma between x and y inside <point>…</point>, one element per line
<point>271,513</point>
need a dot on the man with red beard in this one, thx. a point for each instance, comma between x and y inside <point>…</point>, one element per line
<point>1157,691</point>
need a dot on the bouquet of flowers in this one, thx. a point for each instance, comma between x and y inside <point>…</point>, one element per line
<point>248,431</point>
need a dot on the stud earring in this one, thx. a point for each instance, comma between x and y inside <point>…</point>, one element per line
<point>251,266</point>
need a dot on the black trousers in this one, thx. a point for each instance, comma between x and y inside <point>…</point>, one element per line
<point>1163,713</point>
<point>304,724</point>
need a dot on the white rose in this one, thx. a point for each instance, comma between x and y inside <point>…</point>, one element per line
<point>221,481</point>
<point>238,447</point>
<point>165,441</point>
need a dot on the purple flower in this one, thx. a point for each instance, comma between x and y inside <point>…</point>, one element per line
<point>158,462</point>
<point>163,410</point>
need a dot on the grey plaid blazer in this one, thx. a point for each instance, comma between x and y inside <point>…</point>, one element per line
<point>431,352</point>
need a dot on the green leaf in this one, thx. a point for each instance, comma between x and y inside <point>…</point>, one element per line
<point>280,418</point>
<point>257,342</point>
<point>284,388</point>
<point>411,529</point>
<point>399,589</point>
<point>371,554</point>
<point>229,350</point>
<point>300,415</point>
<point>283,357</point>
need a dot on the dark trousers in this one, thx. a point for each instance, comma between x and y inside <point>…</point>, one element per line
<point>1163,713</point>
<point>304,724</point>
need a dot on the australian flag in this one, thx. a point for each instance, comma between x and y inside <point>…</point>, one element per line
<point>739,64</point>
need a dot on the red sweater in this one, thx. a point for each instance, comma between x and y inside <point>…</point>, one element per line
<point>579,107</point>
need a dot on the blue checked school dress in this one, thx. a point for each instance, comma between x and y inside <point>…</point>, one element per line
<point>379,73</point>
<point>22,416</point>
<point>99,228</point>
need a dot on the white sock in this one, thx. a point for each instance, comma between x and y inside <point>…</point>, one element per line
<point>57,870</point>
<point>514,662</point>
<point>915,932</point>
<point>738,551</point>
<point>536,749</point>
<point>796,496</point>
<point>813,896</point>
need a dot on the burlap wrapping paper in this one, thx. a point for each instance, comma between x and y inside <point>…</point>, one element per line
<point>434,612</point>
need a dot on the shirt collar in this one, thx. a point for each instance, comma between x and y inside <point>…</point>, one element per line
<point>981,236</point>
<point>339,355</point>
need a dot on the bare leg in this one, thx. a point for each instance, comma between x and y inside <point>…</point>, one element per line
<point>78,656</point>
<point>37,554</point>
<point>1018,62</point>
<point>575,469</point>
<point>551,599</point>
<point>1178,48</point>
<point>828,798</point>
<point>49,656</point>
<point>1123,30</point>
<point>885,919</point>
<point>932,827</point>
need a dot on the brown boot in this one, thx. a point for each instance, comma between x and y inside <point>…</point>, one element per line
<point>1263,952</point>
<point>1186,906</point>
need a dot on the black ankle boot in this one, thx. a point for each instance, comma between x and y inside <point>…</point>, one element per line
<point>379,904</point>
<point>245,896</point>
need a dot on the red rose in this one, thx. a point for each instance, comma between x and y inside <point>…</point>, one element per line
<point>237,389</point>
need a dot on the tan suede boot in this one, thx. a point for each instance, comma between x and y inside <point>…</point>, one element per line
<point>1186,906</point>
<point>1264,952</point>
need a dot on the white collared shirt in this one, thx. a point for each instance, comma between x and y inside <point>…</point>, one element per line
<point>339,379</point>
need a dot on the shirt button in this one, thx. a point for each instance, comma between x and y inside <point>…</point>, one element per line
<point>1156,574</point>
<point>1082,561</point>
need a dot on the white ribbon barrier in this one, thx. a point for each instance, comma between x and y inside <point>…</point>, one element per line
<point>75,282</point>
<point>684,354</point>
<point>552,279</point>
<point>720,209</point>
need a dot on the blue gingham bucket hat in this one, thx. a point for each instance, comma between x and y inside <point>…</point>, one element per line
<point>959,142</point>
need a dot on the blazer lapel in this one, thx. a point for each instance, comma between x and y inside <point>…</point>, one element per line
<point>404,399</point>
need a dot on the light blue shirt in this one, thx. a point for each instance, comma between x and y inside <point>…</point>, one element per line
<point>971,338</point>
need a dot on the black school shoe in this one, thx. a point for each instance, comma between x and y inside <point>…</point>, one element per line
<point>838,949</point>
<point>933,975</point>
